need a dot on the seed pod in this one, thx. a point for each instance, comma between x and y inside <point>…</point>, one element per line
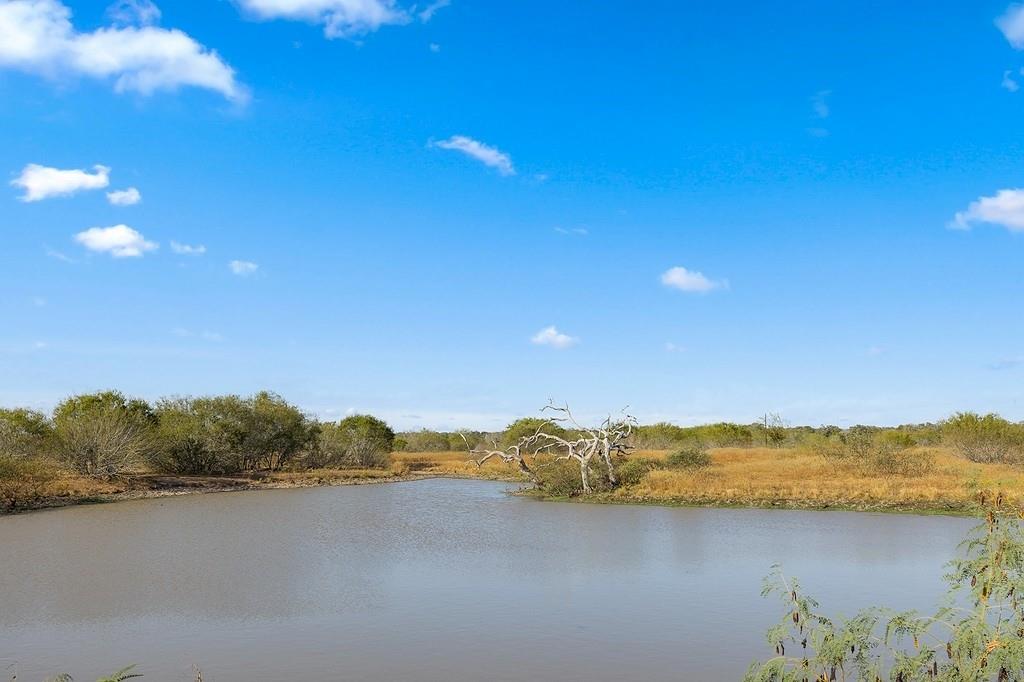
<point>916,643</point>
<point>796,616</point>
<point>803,643</point>
<point>935,668</point>
<point>949,650</point>
<point>783,648</point>
<point>832,674</point>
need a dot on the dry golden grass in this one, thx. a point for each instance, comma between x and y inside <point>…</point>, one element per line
<point>795,478</point>
<point>454,464</point>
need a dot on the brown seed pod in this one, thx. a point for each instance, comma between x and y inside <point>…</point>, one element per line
<point>949,650</point>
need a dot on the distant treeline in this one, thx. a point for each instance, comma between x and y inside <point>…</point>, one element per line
<point>107,434</point>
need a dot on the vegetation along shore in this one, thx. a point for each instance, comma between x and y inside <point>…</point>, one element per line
<point>105,446</point>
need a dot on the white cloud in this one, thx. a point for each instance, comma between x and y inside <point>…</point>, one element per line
<point>875,351</point>
<point>243,267</point>
<point>120,241</point>
<point>1011,23</point>
<point>434,47</point>
<point>430,10</point>
<point>57,255</point>
<point>673,347</point>
<point>1006,208</point>
<point>689,280</point>
<point>550,336</point>
<point>340,18</point>
<point>819,102</point>
<point>43,182</point>
<point>134,13</point>
<point>487,155</point>
<point>124,197</point>
<point>187,249</point>
<point>38,301</point>
<point>578,231</point>
<point>1008,82</point>
<point>37,36</point>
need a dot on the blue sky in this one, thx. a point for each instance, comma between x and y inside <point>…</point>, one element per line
<point>447,213</point>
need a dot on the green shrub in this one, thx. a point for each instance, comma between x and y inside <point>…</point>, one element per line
<point>982,640</point>
<point>691,457</point>
<point>24,433</point>
<point>562,478</point>
<point>633,469</point>
<point>356,441</point>
<point>984,438</point>
<point>103,434</point>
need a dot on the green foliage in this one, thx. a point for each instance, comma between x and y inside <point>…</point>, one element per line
<point>871,451</point>
<point>527,426</point>
<point>633,469</point>
<point>692,457</point>
<point>665,436</point>
<point>103,434</point>
<point>23,481</point>
<point>984,438</point>
<point>356,441</point>
<point>980,643</point>
<point>24,433</point>
<point>561,478</point>
<point>428,441</point>
<point>229,434</point>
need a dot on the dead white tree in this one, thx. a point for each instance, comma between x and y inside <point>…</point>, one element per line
<point>580,444</point>
<point>611,437</point>
<point>514,454</point>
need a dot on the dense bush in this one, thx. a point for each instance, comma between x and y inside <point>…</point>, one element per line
<point>229,434</point>
<point>984,438</point>
<point>356,441</point>
<point>561,478</point>
<point>103,434</point>
<point>633,469</point>
<point>24,433</point>
<point>527,426</point>
<point>691,457</point>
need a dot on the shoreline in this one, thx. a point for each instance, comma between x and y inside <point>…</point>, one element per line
<point>154,487</point>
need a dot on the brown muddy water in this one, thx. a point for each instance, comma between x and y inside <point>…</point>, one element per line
<point>447,580</point>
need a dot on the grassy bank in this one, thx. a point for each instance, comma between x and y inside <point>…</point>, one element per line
<point>736,477</point>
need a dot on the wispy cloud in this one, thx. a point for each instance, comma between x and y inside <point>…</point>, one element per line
<point>428,12</point>
<point>43,182</point>
<point>550,336</point>
<point>1008,83</point>
<point>120,241</point>
<point>124,197</point>
<point>434,47</point>
<point>57,255</point>
<point>485,154</point>
<point>1011,23</point>
<point>673,347</point>
<point>874,351</point>
<point>1005,208</point>
<point>37,36</point>
<point>578,231</point>
<point>340,18</point>
<point>134,13</point>
<point>243,268</point>
<point>187,249</point>
<point>1007,363</point>
<point>690,281</point>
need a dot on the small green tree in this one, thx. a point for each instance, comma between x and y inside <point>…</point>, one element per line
<point>358,440</point>
<point>526,427</point>
<point>24,433</point>
<point>984,438</point>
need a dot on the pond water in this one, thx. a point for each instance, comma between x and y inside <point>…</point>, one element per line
<point>432,580</point>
